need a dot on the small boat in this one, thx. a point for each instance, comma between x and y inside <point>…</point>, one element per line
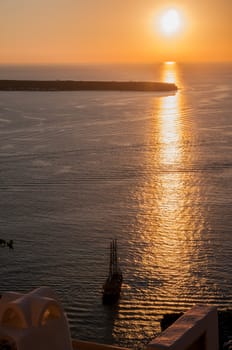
<point>4,243</point>
<point>112,286</point>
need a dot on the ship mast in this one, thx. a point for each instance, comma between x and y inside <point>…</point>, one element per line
<point>115,257</point>
<point>113,266</point>
<point>112,286</point>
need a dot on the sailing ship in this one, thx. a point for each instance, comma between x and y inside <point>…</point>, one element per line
<point>112,286</point>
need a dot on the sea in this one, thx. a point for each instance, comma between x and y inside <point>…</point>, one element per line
<point>152,170</point>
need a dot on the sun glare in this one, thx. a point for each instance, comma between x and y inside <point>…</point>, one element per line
<point>170,22</point>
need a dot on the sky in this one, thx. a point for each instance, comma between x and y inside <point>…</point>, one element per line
<point>113,31</point>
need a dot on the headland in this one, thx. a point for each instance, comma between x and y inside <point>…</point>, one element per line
<point>72,85</point>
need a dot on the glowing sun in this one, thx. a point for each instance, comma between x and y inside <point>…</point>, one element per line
<point>170,22</point>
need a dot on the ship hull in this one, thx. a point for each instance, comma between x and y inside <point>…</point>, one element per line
<point>112,289</point>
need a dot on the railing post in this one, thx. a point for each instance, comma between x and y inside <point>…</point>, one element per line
<point>197,329</point>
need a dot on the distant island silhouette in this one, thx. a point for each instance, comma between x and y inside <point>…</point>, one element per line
<point>72,85</point>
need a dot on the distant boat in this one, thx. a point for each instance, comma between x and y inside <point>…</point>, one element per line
<point>4,243</point>
<point>112,286</point>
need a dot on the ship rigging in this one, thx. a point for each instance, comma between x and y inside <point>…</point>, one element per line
<point>112,285</point>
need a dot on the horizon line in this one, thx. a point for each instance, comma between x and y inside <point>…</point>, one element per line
<point>109,63</point>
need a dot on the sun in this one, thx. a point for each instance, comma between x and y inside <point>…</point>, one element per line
<point>170,22</point>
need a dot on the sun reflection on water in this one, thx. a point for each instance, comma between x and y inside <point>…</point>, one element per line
<point>170,206</point>
<point>170,119</point>
<point>167,231</point>
<point>172,224</point>
<point>170,137</point>
<point>170,131</point>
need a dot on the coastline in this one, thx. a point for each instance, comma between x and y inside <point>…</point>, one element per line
<point>72,85</point>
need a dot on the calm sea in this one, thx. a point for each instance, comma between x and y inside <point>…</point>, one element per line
<point>154,171</point>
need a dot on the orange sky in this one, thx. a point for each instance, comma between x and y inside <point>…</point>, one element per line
<point>79,31</point>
